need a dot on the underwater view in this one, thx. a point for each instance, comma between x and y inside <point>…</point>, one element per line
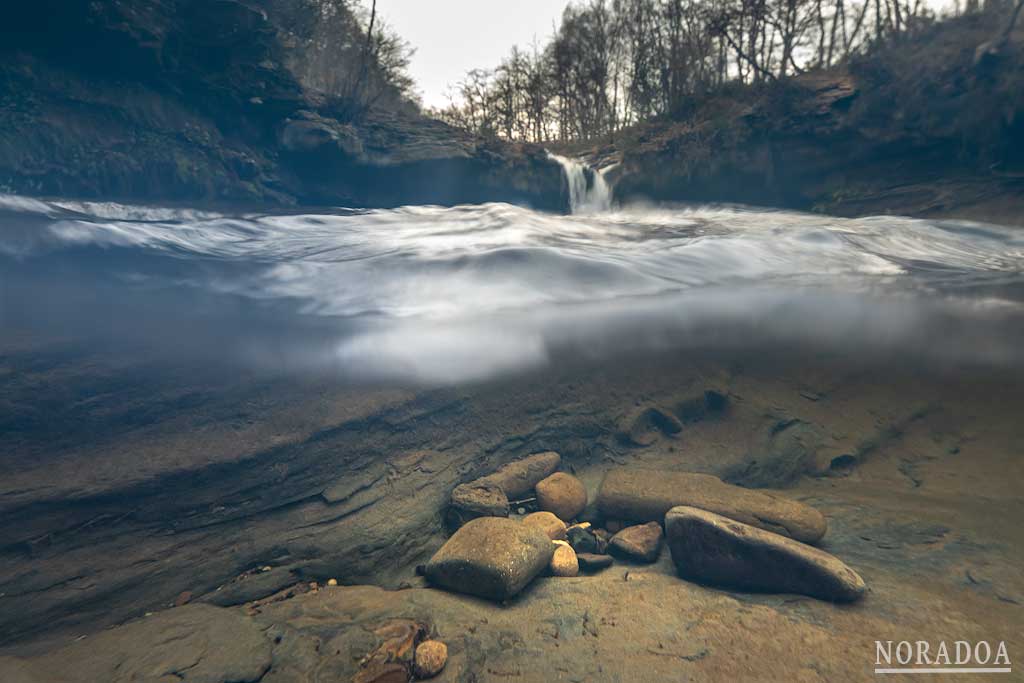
<point>596,341</point>
<point>246,409</point>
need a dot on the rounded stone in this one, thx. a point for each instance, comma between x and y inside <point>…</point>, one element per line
<point>490,557</point>
<point>548,523</point>
<point>562,494</point>
<point>431,656</point>
<point>564,561</point>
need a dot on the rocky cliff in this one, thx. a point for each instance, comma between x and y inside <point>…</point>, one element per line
<point>200,100</point>
<point>932,125</point>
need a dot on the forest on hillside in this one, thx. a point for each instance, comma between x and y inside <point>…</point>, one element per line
<point>613,63</point>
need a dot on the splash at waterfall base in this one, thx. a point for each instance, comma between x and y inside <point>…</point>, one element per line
<point>589,191</point>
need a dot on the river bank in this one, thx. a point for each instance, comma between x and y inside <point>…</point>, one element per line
<point>926,125</point>
<point>113,104</point>
<point>173,101</point>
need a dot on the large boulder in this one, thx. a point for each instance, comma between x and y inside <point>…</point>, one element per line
<point>712,549</point>
<point>562,494</point>
<point>490,557</point>
<point>646,495</point>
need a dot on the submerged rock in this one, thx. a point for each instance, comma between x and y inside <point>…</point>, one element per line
<point>583,540</point>
<point>489,496</point>
<point>591,562</point>
<point>518,478</point>
<point>564,562</point>
<point>548,523</point>
<point>641,542</point>
<point>643,426</point>
<point>431,656</point>
<point>477,499</point>
<point>490,557</point>
<point>393,658</point>
<point>709,548</point>
<point>562,494</point>
<point>646,495</point>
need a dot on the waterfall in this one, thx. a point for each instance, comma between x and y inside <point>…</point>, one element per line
<point>584,197</point>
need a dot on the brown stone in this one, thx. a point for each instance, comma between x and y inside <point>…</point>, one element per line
<point>712,549</point>
<point>548,523</point>
<point>183,598</point>
<point>564,562</point>
<point>641,542</point>
<point>480,500</point>
<point>518,478</point>
<point>646,495</point>
<point>591,562</point>
<point>491,557</point>
<point>562,494</point>
<point>431,656</point>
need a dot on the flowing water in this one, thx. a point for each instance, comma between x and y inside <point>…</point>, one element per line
<point>451,294</point>
<point>189,396</point>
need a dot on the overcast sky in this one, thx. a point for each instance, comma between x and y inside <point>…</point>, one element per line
<point>453,36</point>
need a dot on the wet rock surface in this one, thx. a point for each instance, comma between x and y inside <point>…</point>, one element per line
<point>583,540</point>
<point>562,494</point>
<point>552,526</point>
<point>489,496</point>
<point>719,551</point>
<point>564,562</point>
<point>642,495</point>
<point>519,478</point>
<point>491,557</point>
<point>476,499</point>
<point>193,643</point>
<point>641,542</point>
<point>589,562</point>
